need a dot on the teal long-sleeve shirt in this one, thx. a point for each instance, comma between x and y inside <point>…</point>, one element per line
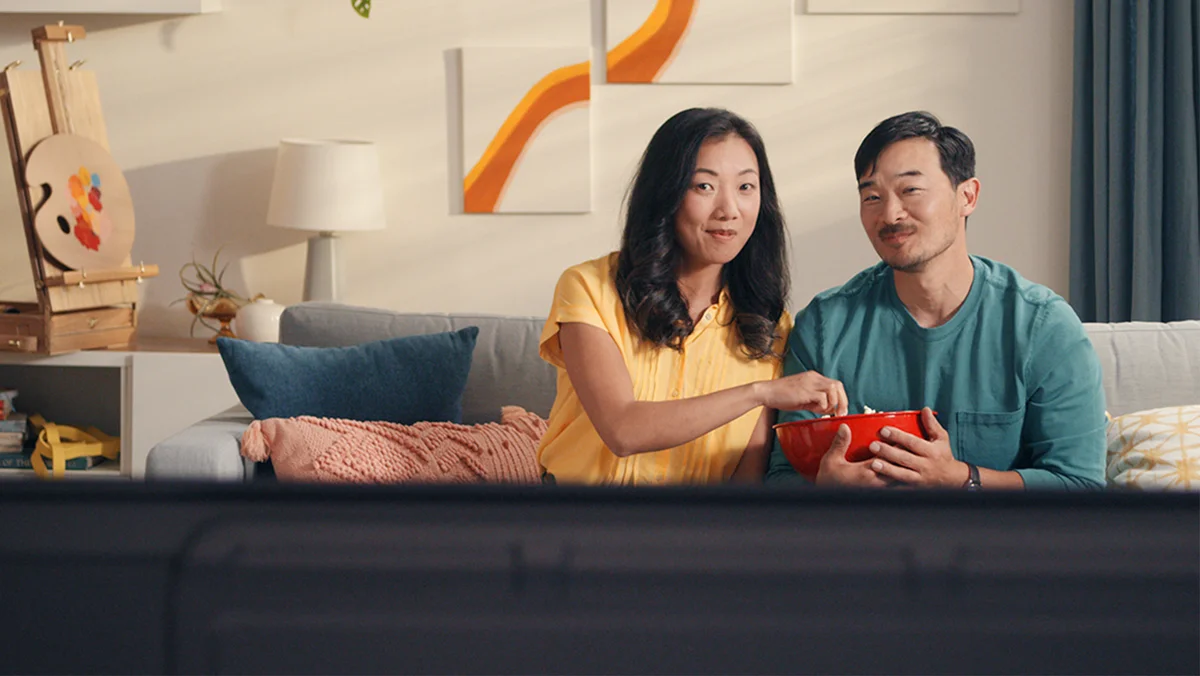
<point>1012,375</point>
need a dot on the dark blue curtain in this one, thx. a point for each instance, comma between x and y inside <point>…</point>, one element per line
<point>1135,187</point>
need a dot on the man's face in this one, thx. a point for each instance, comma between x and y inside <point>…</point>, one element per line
<point>909,208</point>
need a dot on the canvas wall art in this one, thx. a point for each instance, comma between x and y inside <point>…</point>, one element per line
<point>699,41</point>
<point>526,129</point>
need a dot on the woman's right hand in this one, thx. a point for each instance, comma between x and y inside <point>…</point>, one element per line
<point>808,391</point>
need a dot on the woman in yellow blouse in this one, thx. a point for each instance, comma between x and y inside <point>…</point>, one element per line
<point>669,350</point>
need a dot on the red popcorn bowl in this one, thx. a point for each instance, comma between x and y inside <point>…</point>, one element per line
<point>805,442</point>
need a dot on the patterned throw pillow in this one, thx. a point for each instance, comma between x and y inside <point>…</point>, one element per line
<point>309,449</point>
<point>1155,450</point>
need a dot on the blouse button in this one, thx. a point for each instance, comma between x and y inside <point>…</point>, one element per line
<point>674,394</point>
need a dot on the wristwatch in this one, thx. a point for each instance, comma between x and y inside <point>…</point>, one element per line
<point>972,482</point>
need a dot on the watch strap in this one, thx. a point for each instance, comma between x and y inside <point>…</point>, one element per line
<point>972,483</point>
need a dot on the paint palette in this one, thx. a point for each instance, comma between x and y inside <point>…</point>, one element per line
<point>86,220</point>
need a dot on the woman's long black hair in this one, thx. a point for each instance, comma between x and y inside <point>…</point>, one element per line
<point>650,255</point>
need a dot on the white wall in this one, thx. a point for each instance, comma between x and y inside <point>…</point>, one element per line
<point>195,107</point>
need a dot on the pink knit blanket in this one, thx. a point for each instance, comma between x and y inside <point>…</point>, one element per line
<point>335,450</point>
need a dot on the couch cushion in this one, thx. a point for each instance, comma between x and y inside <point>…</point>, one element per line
<point>401,380</point>
<point>1156,449</point>
<point>1148,365</point>
<point>505,369</point>
<point>207,449</point>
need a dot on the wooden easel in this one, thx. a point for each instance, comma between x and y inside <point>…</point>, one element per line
<point>75,309</point>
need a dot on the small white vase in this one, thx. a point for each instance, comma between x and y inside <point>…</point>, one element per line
<point>259,321</point>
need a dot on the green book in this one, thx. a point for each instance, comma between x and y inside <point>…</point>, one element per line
<point>24,460</point>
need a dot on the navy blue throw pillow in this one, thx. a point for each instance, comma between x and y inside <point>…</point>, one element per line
<point>401,380</point>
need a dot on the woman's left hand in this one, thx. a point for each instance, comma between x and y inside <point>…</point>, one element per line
<point>807,391</point>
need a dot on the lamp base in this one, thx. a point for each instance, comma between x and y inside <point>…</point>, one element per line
<point>323,273</point>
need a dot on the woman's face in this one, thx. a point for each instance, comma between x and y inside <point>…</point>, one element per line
<point>720,208</point>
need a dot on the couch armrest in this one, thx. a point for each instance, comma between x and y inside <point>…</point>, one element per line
<point>210,450</point>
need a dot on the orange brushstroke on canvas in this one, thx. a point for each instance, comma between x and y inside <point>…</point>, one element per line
<point>642,56</point>
<point>561,88</point>
<point>638,58</point>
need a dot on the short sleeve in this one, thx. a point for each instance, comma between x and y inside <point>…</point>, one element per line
<point>576,300</point>
<point>1064,429</point>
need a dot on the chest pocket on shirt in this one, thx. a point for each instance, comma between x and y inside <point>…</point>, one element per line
<point>991,440</point>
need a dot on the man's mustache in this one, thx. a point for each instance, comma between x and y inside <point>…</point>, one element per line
<point>897,229</point>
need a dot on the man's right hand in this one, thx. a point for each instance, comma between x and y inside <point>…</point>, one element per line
<point>836,470</point>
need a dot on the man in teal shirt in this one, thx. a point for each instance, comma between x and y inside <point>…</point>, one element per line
<point>1005,362</point>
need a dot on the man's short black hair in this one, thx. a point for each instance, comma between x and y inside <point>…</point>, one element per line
<point>955,149</point>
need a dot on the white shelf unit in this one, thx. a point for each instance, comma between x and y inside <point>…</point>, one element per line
<point>110,6</point>
<point>143,396</point>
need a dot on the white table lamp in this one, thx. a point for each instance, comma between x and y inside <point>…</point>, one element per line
<point>327,187</point>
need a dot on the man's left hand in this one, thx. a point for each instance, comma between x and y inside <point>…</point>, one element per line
<point>913,461</point>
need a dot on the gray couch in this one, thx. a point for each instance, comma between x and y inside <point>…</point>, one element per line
<point>1146,365</point>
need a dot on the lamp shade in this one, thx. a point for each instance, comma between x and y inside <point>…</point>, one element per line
<point>326,185</point>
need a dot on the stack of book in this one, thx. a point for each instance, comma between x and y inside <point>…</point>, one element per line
<point>17,442</point>
<point>13,432</point>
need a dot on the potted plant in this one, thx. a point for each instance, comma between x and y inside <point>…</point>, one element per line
<point>208,298</point>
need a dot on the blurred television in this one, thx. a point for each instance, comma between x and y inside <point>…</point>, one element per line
<point>161,578</point>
